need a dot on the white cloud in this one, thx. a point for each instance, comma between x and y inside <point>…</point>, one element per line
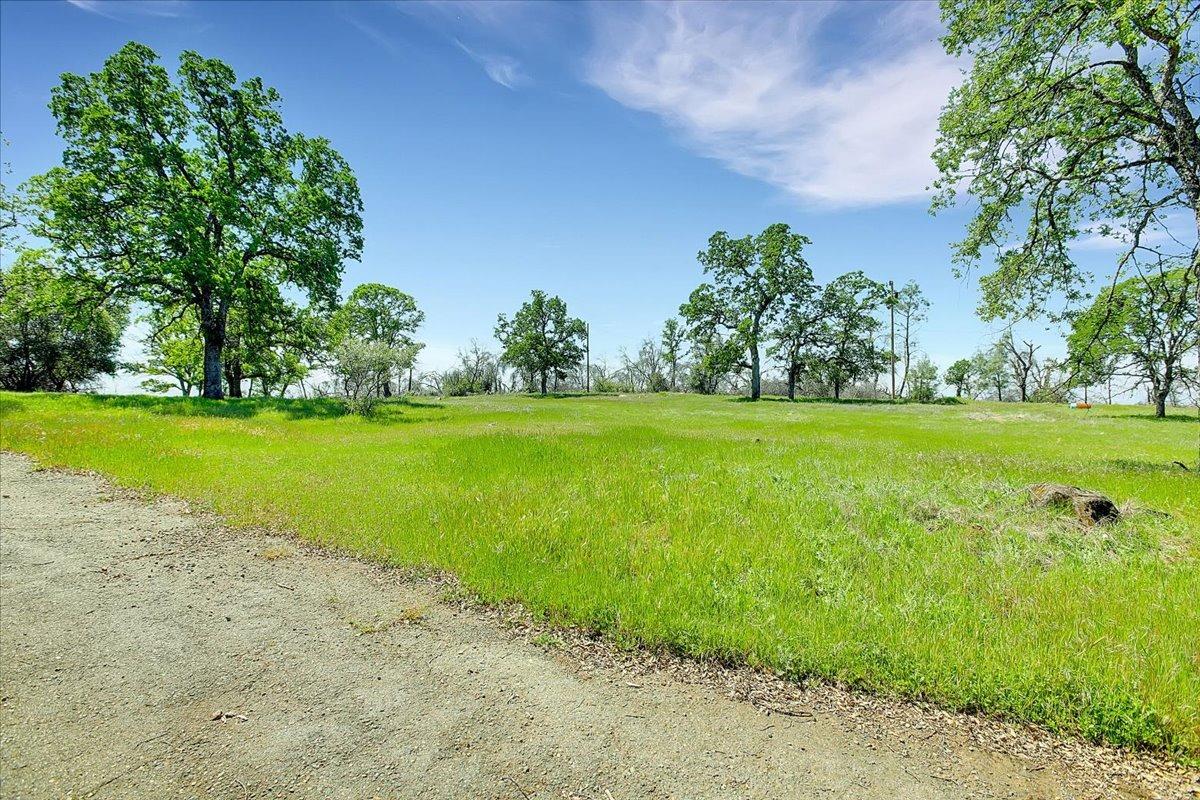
<point>504,70</point>
<point>765,90</point>
<point>122,9</point>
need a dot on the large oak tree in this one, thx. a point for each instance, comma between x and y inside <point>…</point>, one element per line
<point>183,192</point>
<point>1077,117</point>
<point>541,339</point>
<point>750,278</point>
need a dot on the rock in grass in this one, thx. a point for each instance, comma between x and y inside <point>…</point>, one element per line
<point>1092,508</point>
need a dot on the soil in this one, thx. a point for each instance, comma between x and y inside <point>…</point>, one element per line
<point>148,651</point>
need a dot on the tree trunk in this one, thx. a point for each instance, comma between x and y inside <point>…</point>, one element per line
<point>958,390</point>
<point>233,376</point>
<point>1160,405</point>
<point>387,385</point>
<point>837,390</point>
<point>792,383</point>
<point>212,327</point>
<point>755,363</point>
<point>543,381</point>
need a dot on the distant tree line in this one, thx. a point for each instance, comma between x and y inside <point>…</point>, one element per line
<point>184,203</point>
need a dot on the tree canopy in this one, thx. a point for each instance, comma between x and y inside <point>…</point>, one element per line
<point>541,339</point>
<point>846,348</point>
<point>1076,118</point>
<point>1141,329</point>
<point>750,277</point>
<point>56,334</point>
<point>183,192</point>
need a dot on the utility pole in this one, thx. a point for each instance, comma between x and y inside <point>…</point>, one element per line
<point>587,357</point>
<point>892,355</point>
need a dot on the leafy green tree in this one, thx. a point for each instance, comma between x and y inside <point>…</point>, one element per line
<point>382,314</point>
<point>922,383</point>
<point>750,278</point>
<point>846,351</point>
<point>174,352</point>
<point>541,339</point>
<point>959,375</point>
<point>56,334</point>
<point>714,360</point>
<point>673,343</point>
<point>1144,326</point>
<point>358,369</point>
<point>180,193</point>
<point>796,332</point>
<point>1072,113</point>
<point>990,366</point>
<point>911,310</point>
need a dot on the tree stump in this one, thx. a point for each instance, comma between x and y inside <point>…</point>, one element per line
<point>1092,508</point>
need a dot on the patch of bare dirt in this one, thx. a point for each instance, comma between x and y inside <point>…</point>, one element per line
<point>146,651</point>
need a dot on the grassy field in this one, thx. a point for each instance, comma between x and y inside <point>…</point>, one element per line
<point>886,547</point>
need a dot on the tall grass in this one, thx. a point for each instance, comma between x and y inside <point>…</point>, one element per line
<point>886,547</point>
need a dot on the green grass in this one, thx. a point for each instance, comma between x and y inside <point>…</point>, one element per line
<point>885,547</point>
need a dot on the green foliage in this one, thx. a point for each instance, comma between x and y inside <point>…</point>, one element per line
<point>1074,118</point>
<point>959,375</point>
<point>1142,326</point>
<point>382,315</point>
<point>377,313</point>
<point>541,339</point>
<point>174,350</point>
<point>674,339</point>
<point>56,334</point>
<point>750,277</point>
<point>846,346</point>
<point>191,192</point>
<point>922,381</point>
<point>361,369</point>
<point>990,367</point>
<point>851,543</point>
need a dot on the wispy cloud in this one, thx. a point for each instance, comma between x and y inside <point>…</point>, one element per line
<point>503,69</point>
<point>372,33</point>
<point>761,89</point>
<point>130,9</point>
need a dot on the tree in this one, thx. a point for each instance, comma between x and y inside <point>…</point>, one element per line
<point>1141,328</point>
<point>923,382</point>
<point>847,307</point>
<point>174,350</point>
<point>1072,113</point>
<point>645,372</point>
<point>180,193</point>
<point>359,368</point>
<point>478,372</point>
<point>713,360</point>
<point>911,306</point>
<point>796,332</point>
<point>541,339</point>
<point>382,314</point>
<point>56,334</point>
<point>750,276</point>
<point>991,367</point>
<point>1022,360</point>
<point>673,340</point>
<point>959,375</point>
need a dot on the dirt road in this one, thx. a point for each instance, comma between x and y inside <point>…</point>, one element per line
<point>147,652</point>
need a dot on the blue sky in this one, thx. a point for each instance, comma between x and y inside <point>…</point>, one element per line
<point>585,149</point>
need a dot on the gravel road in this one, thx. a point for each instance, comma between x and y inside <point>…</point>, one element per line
<point>147,651</point>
